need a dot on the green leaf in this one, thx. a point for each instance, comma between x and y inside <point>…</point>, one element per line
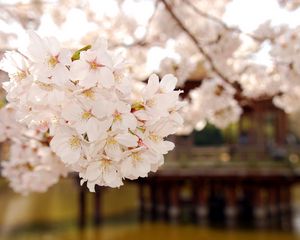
<point>76,55</point>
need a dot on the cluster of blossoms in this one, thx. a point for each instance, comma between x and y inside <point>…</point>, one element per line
<point>286,55</point>
<point>32,166</point>
<point>182,70</point>
<point>260,81</point>
<point>84,101</point>
<point>215,44</point>
<point>212,102</point>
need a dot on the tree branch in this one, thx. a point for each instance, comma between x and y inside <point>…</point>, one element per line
<point>195,41</point>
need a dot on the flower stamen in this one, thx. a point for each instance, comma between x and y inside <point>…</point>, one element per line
<point>117,116</point>
<point>86,115</point>
<point>74,142</point>
<point>89,93</point>
<point>154,138</point>
<point>94,65</point>
<point>111,141</point>
<point>53,60</point>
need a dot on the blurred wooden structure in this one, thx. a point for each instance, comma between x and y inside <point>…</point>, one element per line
<point>250,177</point>
<point>222,192</point>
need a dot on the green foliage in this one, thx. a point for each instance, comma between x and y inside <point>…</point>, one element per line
<point>210,135</point>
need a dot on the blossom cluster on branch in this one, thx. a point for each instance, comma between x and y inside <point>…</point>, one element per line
<point>84,102</point>
<point>193,34</point>
<point>213,102</point>
<point>84,108</point>
<point>29,165</point>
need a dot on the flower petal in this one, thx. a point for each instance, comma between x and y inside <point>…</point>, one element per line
<point>127,139</point>
<point>168,83</point>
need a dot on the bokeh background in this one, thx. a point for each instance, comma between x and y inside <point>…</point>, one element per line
<point>232,175</point>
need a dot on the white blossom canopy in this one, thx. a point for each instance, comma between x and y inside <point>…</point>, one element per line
<point>177,37</point>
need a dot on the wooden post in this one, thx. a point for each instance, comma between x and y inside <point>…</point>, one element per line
<point>285,199</point>
<point>161,208</point>
<point>142,210</point>
<point>174,210</point>
<point>153,199</point>
<point>201,208</point>
<point>260,138</point>
<point>272,201</point>
<point>281,127</point>
<point>260,212</point>
<point>97,209</point>
<point>81,207</point>
<point>231,210</point>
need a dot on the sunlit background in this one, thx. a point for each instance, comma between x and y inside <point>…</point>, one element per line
<point>234,173</point>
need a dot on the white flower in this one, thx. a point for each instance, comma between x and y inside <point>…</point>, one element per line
<point>94,66</point>
<point>9,128</point>
<point>116,143</point>
<point>45,94</point>
<point>158,98</point>
<point>67,144</point>
<point>82,118</point>
<point>49,60</point>
<point>15,65</point>
<point>103,172</point>
<point>122,79</point>
<point>153,137</point>
<point>36,118</point>
<point>139,163</point>
<point>17,68</point>
<point>118,113</point>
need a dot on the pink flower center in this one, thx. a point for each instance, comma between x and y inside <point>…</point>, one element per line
<point>94,65</point>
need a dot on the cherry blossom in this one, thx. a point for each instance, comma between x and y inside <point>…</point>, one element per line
<point>92,67</point>
<point>48,59</point>
<point>85,103</point>
<point>32,166</point>
<point>102,118</point>
<point>212,102</point>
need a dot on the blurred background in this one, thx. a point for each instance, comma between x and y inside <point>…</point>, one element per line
<point>235,171</point>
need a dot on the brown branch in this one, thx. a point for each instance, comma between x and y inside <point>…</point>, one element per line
<point>195,41</point>
<point>209,16</point>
